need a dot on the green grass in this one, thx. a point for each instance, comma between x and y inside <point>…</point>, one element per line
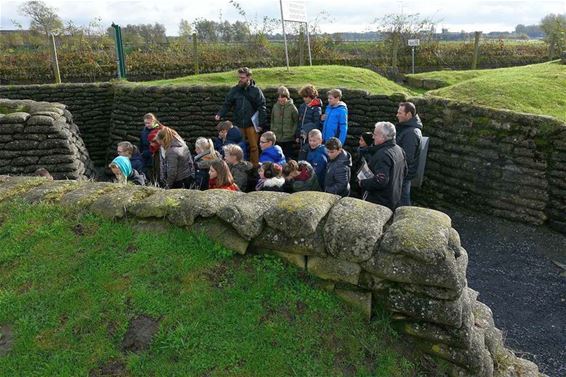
<point>451,77</point>
<point>536,89</point>
<point>324,76</point>
<point>69,285</point>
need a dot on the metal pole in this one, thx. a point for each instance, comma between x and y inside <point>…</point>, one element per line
<point>195,52</point>
<point>309,43</point>
<point>119,52</point>
<point>55,61</point>
<point>301,43</point>
<point>413,48</point>
<point>284,35</point>
<point>122,56</point>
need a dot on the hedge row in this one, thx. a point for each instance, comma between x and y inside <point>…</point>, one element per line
<point>28,67</point>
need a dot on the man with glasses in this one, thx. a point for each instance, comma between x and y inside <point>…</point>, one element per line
<point>249,112</point>
<point>388,165</point>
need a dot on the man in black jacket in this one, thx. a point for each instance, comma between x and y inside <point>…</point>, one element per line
<point>409,137</point>
<point>387,163</point>
<point>246,99</point>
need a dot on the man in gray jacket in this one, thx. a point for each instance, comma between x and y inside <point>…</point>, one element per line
<point>409,137</point>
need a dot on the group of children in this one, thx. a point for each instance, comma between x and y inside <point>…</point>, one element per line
<point>302,151</point>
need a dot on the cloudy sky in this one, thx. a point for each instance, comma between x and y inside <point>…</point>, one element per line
<point>484,15</point>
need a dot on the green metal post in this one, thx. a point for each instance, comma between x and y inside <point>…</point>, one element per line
<point>120,58</point>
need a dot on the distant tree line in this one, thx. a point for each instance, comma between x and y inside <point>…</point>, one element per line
<point>393,29</point>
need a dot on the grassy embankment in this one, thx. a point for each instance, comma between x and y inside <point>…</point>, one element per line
<point>536,89</point>
<point>325,76</point>
<point>72,285</point>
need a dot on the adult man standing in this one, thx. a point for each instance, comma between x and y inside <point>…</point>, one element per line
<point>246,99</point>
<point>387,163</point>
<point>409,137</point>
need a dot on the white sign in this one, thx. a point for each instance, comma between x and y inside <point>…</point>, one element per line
<point>413,42</point>
<point>294,10</point>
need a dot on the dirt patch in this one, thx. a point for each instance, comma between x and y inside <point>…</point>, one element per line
<point>139,334</point>
<point>110,368</point>
<point>112,329</point>
<point>6,339</point>
<point>79,230</point>
<point>301,307</point>
<point>269,313</point>
<point>221,275</point>
<point>132,249</point>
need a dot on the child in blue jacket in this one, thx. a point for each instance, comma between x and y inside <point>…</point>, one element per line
<point>317,156</point>
<point>269,151</point>
<point>335,117</point>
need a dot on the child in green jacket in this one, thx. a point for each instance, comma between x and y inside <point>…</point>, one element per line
<point>284,118</point>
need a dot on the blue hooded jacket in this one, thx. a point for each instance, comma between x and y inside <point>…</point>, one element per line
<point>273,154</point>
<point>336,122</point>
<point>318,159</point>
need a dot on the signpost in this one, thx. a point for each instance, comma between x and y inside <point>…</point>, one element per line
<point>413,43</point>
<point>294,11</point>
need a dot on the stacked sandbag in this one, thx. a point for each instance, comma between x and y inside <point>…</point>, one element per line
<point>37,135</point>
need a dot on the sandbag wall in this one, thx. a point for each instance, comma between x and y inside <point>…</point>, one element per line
<point>191,110</point>
<point>90,104</point>
<point>410,262</point>
<point>37,135</point>
<point>508,164</point>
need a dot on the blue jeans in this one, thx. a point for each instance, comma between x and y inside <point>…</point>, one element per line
<point>405,194</point>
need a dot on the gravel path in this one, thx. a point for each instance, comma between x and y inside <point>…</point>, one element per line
<point>511,265</point>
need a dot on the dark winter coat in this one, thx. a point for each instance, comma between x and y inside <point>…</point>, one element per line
<point>138,163</point>
<point>409,137</point>
<point>241,173</point>
<point>144,147</point>
<point>309,118</point>
<point>234,136</point>
<point>177,165</point>
<point>245,101</point>
<point>306,181</point>
<point>338,173</point>
<point>137,178</point>
<point>387,163</point>
<point>318,159</point>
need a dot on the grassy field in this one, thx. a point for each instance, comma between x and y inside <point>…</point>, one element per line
<point>325,76</point>
<point>72,287</point>
<point>537,89</point>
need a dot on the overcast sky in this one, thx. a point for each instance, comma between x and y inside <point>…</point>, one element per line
<point>484,15</point>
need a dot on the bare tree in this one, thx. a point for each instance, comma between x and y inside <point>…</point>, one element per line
<point>44,19</point>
